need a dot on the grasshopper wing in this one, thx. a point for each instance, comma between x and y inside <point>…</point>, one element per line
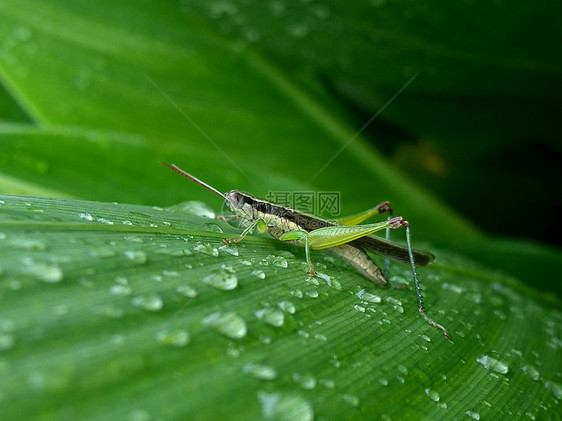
<point>392,250</point>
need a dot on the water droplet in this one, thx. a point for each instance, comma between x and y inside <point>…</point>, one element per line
<point>110,311</point>
<point>186,291</point>
<point>271,316</point>
<point>136,256</point>
<point>453,288</point>
<point>321,11</point>
<point>150,302</point>
<point>105,221</point>
<point>402,369</point>
<point>193,208</point>
<point>287,307</point>
<point>228,324</point>
<point>306,381</point>
<point>353,400</point>
<point>432,394</point>
<point>298,30</point>
<point>174,338</point>
<point>212,227</point>
<point>231,249</point>
<point>126,222</point>
<point>45,272</point>
<point>359,308</point>
<point>280,261</point>
<point>368,297</point>
<point>472,414</point>
<point>327,383</point>
<point>260,371</point>
<point>285,407</point>
<point>133,239</point>
<point>425,338</point>
<point>7,341</point>
<point>120,290</point>
<point>297,293</point>
<point>206,248</point>
<point>259,274</point>
<point>138,415</point>
<point>555,388</point>
<point>32,244</point>
<point>312,294</point>
<point>334,283</point>
<point>246,263</point>
<point>86,216</point>
<point>225,279</point>
<point>493,364</point>
<point>532,372</point>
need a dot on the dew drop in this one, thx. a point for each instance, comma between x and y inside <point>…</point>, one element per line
<point>327,383</point>
<point>136,256</point>
<point>312,294</point>
<point>206,248</point>
<point>138,415</point>
<point>133,239</point>
<point>105,221</point>
<point>110,311</point>
<point>555,388</point>
<point>212,227</point>
<point>225,279</point>
<point>285,407</point>
<point>287,307</point>
<point>472,414</point>
<point>425,338</point>
<point>532,372</point>
<point>353,400</point>
<point>7,341</point>
<point>151,302</point>
<point>368,297</point>
<point>120,290</point>
<point>260,371</point>
<point>383,381</point>
<point>186,291</point>
<point>173,338</point>
<point>229,249</point>
<point>45,272</point>
<point>280,261</point>
<point>229,324</point>
<point>271,316</point>
<point>259,274</point>
<point>493,364</point>
<point>306,381</point>
<point>193,208</point>
<point>432,394</point>
<point>86,216</point>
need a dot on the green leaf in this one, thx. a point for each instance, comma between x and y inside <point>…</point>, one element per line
<point>112,311</point>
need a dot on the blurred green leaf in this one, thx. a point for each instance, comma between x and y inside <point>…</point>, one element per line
<point>114,311</point>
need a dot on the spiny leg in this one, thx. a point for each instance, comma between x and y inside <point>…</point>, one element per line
<point>399,220</point>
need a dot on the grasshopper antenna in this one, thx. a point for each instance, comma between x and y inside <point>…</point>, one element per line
<point>428,319</point>
<point>177,169</point>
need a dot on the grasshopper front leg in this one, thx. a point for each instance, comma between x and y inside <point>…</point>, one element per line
<point>260,223</point>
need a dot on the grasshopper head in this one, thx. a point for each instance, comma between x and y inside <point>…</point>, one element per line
<point>234,199</point>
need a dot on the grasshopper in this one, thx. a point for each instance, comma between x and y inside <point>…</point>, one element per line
<point>341,237</point>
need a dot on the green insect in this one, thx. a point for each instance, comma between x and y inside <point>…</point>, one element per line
<point>340,237</point>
